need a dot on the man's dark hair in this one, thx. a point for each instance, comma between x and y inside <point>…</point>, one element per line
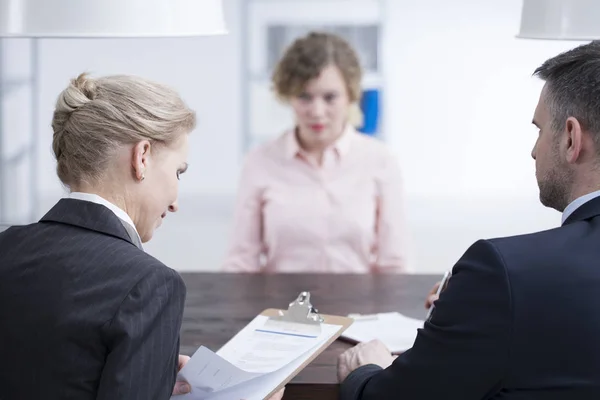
<point>573,87</point>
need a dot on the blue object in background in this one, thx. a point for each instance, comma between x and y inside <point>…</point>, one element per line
<point>369,105</point>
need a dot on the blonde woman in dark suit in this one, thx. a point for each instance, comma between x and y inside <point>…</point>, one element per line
<point>89,314</point>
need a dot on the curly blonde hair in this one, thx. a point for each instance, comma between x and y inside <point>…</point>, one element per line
<point>308,56</point>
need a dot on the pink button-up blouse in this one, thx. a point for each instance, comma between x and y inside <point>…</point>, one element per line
<point>345,216</point>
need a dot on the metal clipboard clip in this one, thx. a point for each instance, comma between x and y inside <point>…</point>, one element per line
<point>300,313</point>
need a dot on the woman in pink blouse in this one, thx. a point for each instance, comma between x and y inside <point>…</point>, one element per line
<point>321,197</point>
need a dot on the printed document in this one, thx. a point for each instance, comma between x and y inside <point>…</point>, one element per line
<point>254,362</point>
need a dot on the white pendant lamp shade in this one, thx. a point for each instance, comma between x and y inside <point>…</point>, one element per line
<point>560,19</point>
<point>111,18</point>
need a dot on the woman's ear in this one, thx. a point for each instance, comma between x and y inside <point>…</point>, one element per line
<point>140,157</point>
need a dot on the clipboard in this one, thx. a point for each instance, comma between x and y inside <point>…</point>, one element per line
<point>302,311</point>
<point>296,335</point>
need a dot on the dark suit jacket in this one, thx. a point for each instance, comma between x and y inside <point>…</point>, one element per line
<point>520,319</point>
<point>85,313</point>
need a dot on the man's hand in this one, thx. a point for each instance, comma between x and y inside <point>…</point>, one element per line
<point>181,387</point>
<point>373,352</point>
<point>431,296</point>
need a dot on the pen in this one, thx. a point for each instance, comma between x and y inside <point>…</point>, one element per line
<point>442,286</point>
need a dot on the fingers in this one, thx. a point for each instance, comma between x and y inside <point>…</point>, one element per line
<point>431,296</point>
<point>343,365</point>
<point>435,288</point>
<point>430,300</point>
<point>181,388</point>
<point>378,344</point>
<point>278,395</point>
<point>182,361</point>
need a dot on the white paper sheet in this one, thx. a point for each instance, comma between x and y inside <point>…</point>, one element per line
<point>208,373</point>
<point>252,363</point>
<point>398,332</point>
<point>265,348</point>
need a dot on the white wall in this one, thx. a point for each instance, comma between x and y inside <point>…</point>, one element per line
<point>458,105</point>
<point>458,110</point>
<point>204,70</point>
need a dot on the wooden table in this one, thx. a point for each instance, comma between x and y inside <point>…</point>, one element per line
<point>219,305</point>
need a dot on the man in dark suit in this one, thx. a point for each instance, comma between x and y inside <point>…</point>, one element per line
<point>85,313</point>
<point>520,317</point>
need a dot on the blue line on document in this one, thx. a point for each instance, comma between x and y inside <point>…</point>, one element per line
<point>285,334</point>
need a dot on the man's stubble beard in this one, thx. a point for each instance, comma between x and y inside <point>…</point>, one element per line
<point>555,186</point>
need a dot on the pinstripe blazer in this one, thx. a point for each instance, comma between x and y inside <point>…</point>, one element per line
<point>84,313</point>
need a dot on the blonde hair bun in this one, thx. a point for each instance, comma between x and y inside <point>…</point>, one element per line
<point>81,91</point>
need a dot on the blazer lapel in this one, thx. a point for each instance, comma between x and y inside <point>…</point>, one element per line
<point>585,211</point>
<point>90,216</point>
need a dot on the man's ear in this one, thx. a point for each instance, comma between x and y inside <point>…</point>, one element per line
<point>574,140</point>
<point>140,157</point>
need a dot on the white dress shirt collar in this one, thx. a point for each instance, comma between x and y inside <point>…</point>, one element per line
<point>94,198</point>
<point>578,202</point>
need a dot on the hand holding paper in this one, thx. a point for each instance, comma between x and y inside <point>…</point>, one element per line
<point>181,387</point>
<point>263,357</point>
<point>255,362</point>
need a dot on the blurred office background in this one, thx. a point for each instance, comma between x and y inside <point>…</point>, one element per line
<point>456,102</point>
